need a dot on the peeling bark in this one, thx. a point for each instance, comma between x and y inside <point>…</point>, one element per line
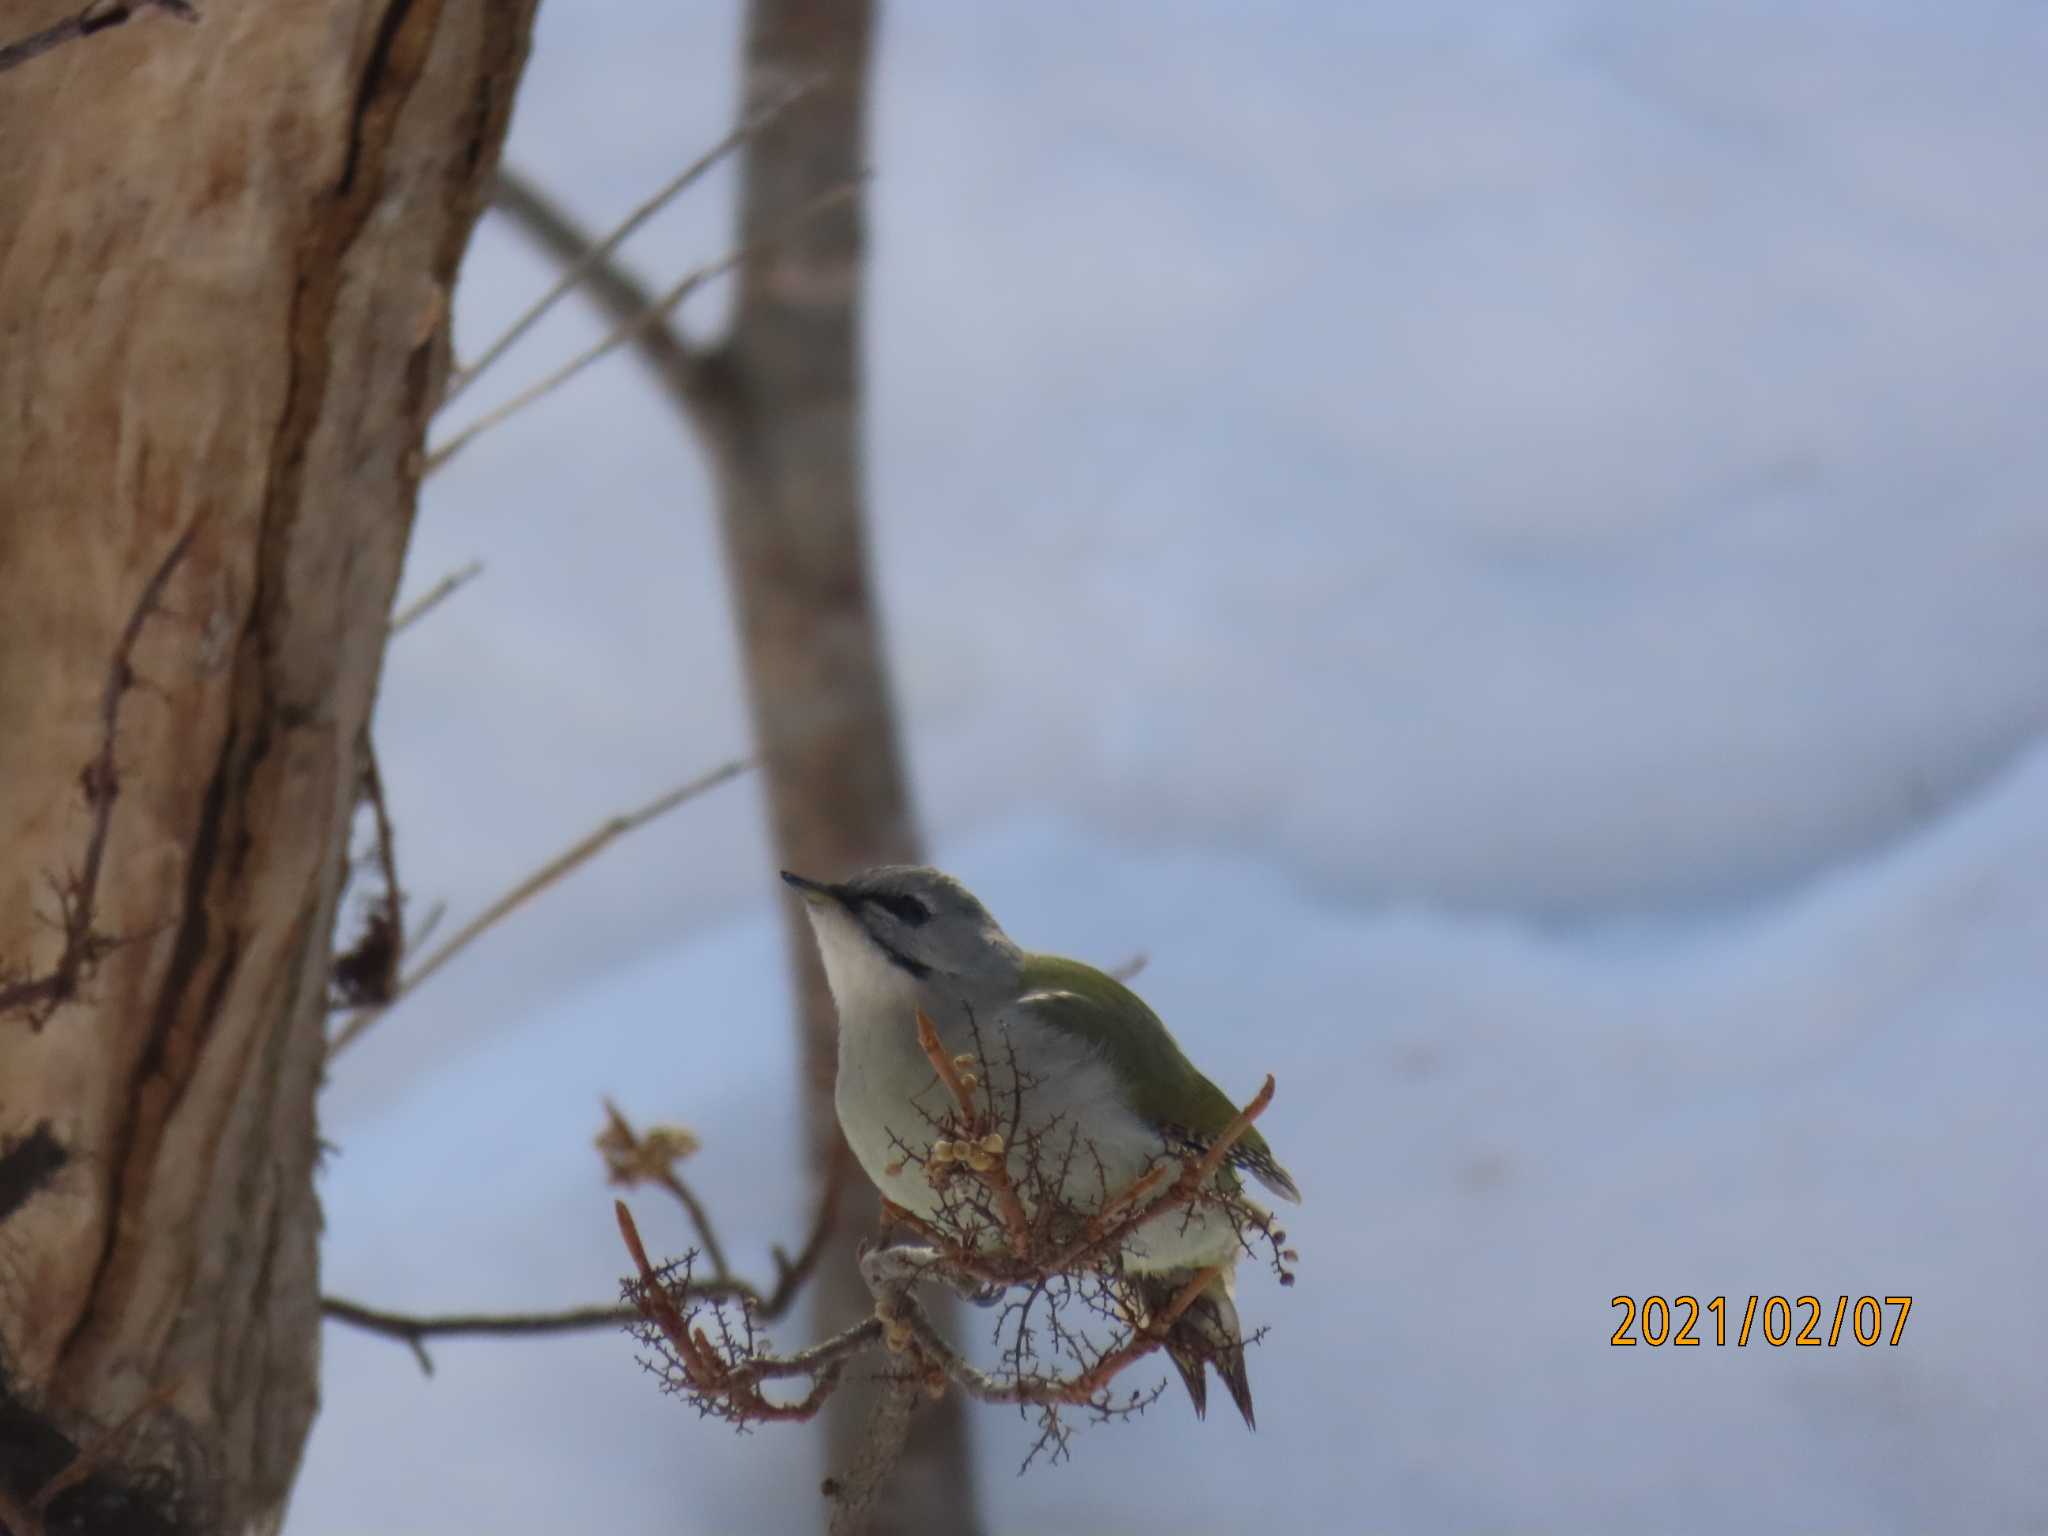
<point>225,255</point>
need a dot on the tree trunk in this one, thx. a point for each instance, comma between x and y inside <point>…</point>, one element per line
<point>794,522</point>
<point>225,257</point>
<point>776,406</point>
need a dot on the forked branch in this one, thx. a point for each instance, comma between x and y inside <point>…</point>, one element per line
<point>556,868</point>
<point>631,1157</point>
<point>984,1241</point>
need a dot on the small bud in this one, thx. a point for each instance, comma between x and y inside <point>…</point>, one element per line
<point>1287,1279</point>
<point>944,1151</point>
<point>895,1169</point>
<point>992,1143</point>
<point>895,1335</point>
<point>935,1385</point>
<point>969,1082</point>
<point>1279,1235</point>
<point>1290,1255</point>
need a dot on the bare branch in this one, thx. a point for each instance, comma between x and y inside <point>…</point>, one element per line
<point>427,925</point>
<point>582,261</point>
<point>97,17</point>
<point>717,1360</point>
<point>84,947</point>
<point>434,596</point>
<point>635,327</point>
<point>1075,1391</point>
<point>633,1159</point>
<point>1133,1210</point>
<point>555,869</point>
<point>856,1492</point>
<point>790,1275</point>
<point>415,1331</point>
<point>731,1377</point>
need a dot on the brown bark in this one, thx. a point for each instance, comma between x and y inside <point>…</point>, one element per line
<point>225,257</point>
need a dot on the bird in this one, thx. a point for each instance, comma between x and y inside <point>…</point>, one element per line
<point>1072,1049</point>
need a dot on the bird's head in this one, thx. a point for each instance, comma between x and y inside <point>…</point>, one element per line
<point>918,922</point>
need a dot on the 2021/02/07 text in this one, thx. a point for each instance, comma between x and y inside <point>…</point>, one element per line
<point>1686,1320</point>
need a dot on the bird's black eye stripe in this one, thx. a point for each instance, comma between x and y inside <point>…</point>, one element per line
<point>906,909</point>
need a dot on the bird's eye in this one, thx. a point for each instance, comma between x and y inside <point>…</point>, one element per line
<point>905,909</point>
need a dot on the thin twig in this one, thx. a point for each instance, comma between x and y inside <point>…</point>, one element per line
<point>935,1053</point>
<point>996,1173</point>
<point>555,869</point>
<point>718,1365</point>
<point>1189,1187</point>
<point>588,261</point>
<point>633,1159</point>
<point>737,1382</point>
<point>434,596</point>
<point>1077,1390</point>
<point>387,840</point>
<point>689,284</point>
<point>97,17</point>
<point>790,1275</point>
<point>427,925</point>
<point>415,1331</point>
<point>77,896</point>
<point>687,370</point>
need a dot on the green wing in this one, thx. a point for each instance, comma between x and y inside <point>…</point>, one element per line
<point>1164,1087</point>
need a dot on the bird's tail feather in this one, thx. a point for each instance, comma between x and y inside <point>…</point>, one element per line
<point>1206,1334</point>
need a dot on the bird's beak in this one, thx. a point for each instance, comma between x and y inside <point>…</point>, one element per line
<point>812,891</point>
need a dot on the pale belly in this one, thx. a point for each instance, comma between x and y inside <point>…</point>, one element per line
<point>1068,1132</point>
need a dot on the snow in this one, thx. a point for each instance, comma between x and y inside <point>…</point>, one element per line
<point>1499,544</point>
<point>1500,1128</point>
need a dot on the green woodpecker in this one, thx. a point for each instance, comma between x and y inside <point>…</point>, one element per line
<point>1101,1091</point>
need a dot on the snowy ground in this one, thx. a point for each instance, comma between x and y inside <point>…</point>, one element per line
<point>1502,1130</point>
<point>1501,544</point>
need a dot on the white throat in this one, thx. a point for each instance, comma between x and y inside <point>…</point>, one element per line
<point>866,985</point>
